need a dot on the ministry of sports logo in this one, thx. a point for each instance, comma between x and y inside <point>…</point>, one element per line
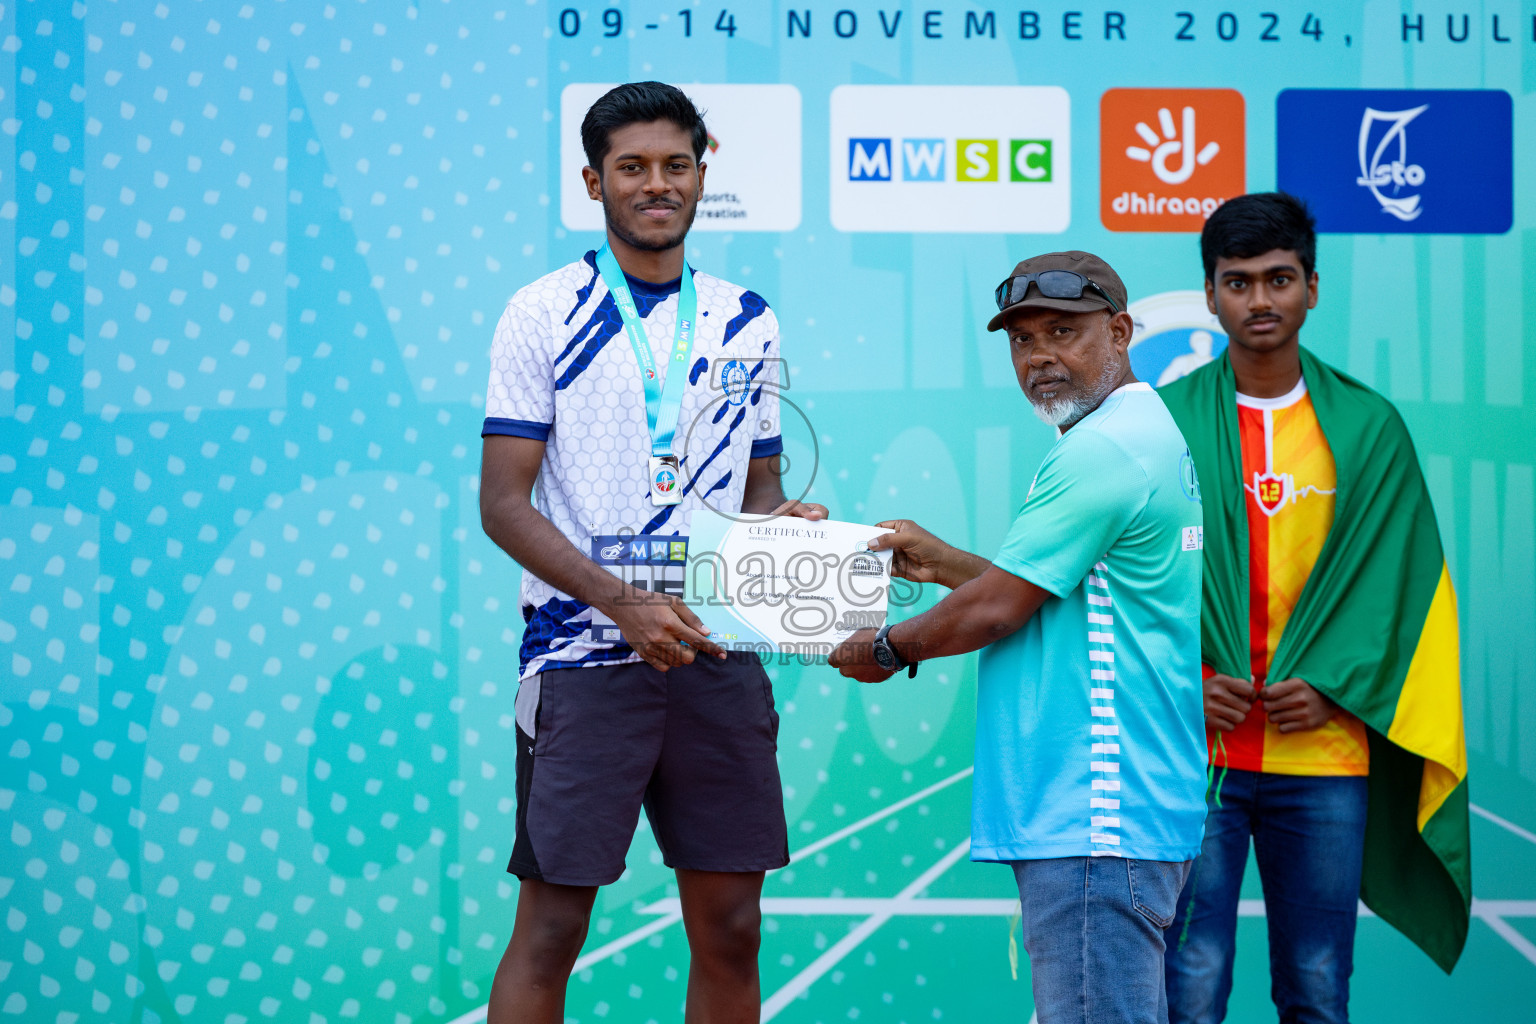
<point>1376,161</point>
<point>951,158</point>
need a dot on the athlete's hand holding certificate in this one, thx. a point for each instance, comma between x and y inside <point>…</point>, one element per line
<point>784,585</point>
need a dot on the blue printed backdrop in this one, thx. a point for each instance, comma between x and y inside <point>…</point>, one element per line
<point>257,660</point>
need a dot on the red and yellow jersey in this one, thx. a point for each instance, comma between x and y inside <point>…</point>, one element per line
<point>1290,483</point>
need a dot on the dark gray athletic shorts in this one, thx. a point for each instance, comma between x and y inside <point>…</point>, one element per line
<point>695,745</point>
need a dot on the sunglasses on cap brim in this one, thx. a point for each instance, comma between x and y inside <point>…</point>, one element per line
<point>1052,284</point>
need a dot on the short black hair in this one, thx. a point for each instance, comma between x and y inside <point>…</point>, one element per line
<point>1253,224</point>
<point>639,103</point>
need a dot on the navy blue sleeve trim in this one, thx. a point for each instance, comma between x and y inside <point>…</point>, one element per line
<point>766,446</point>
<point>516,428</point>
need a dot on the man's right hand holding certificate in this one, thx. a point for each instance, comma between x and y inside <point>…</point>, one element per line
<point>987,604</point>
<point>921,557</point>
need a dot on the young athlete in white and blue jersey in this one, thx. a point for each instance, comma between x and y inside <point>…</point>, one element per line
<point>628,390</point>
<point>1090,756</point>
<point>562,372</point>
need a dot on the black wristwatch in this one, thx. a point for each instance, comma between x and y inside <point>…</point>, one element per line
<point>886,655</point>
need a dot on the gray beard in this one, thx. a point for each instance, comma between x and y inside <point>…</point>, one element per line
<point>1066,409</point>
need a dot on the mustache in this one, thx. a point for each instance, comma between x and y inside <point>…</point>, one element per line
<point>1261,318</point>
<point>659,204</point>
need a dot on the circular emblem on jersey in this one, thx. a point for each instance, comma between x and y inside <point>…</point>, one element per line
<point>1187,477</point>
<point>665,481</point>
<point>734,380</point>
<point>1175,335</point>
<point>650,374</point>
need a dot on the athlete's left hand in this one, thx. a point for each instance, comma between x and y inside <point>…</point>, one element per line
<point>855,658</point>
<point>801,510</point>
<point>1294,706</point>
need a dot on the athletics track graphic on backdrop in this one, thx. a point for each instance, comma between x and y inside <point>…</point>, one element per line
<point>831,957</point>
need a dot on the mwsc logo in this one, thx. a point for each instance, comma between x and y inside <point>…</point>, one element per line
<point>973,160</point>
<point>951,158</point>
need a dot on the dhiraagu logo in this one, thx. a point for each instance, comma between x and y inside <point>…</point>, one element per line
<point>951,158</point>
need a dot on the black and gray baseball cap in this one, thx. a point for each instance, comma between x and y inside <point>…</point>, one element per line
<point>1099,286</point>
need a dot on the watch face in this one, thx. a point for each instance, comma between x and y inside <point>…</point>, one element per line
<point>884,657</point>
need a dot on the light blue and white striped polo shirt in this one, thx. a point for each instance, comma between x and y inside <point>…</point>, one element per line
<point>1090,731</point>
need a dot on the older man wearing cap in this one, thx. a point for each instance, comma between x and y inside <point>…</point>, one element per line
<point>1090,733</point>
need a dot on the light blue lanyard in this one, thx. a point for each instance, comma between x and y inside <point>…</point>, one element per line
<point>662,402</point>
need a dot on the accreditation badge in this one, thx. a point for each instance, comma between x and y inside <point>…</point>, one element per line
<point>666,480</point>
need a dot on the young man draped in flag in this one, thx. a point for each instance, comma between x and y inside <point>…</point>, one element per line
<point>1328,632</point>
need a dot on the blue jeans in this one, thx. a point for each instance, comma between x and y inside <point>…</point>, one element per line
<point>1308,833</point>
<point>1093,929</point>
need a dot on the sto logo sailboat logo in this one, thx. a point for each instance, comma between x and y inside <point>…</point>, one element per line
<point>1384,165</point>
<point>1397,161</point>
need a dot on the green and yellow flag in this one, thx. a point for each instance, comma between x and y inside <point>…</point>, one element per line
<point>1374,630</point>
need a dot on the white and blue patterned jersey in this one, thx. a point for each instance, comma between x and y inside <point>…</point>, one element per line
<point>563,372</point>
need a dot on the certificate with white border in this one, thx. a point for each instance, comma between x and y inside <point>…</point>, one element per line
<point>784,585</point>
